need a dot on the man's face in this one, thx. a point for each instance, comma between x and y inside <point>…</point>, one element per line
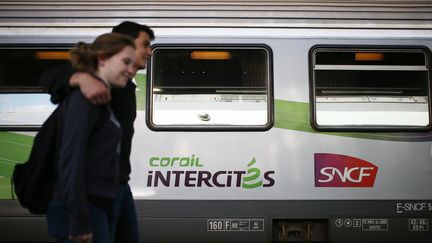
<point>143,50</point>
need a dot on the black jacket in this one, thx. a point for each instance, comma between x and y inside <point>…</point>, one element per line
<point>88,165</point>
<point>123,104</point>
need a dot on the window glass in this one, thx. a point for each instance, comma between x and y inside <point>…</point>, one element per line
<point>370,88</point>
<point>24,109</point>
<point>210,87</point>
<point>22,67</point>
<point>22,103</point>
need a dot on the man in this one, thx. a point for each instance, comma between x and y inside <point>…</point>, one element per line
<point>123,103</point>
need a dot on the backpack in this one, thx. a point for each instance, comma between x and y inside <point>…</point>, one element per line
<point>33,181</point>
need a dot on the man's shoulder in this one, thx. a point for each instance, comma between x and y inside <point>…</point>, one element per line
<point>125,92</point>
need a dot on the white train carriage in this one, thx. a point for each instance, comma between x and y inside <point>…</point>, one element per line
<point>276,121</point>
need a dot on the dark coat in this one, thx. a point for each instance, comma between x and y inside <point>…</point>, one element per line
<point>123,104</point>
<point>88,165</point>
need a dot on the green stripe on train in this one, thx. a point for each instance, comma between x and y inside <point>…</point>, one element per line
<point>141,91</point>
<point>295,116</point>
<point>14,148</point>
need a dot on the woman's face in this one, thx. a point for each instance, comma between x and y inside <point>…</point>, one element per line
<point>119,68</point>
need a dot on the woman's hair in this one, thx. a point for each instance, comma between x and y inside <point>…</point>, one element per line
<point>84,57</point>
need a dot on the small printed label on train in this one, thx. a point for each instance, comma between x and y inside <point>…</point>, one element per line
<point>235,225</point>
<point>413,207</point>
<point>418,225</point>
<point>375,224</point>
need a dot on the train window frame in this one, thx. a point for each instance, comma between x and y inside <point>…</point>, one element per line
<point>200,127</point>
<point>31,90</point>
<point>365,49</point>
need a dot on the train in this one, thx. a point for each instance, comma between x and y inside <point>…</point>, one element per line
<point>257,121</point>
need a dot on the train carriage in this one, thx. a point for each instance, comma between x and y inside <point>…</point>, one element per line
<point>276,121</point>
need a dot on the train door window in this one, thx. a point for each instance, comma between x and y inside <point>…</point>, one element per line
<point>210,87</point>
<point>370,88</point>
<point>23,105</point>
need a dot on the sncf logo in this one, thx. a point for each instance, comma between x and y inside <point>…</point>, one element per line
<point>336,170</point>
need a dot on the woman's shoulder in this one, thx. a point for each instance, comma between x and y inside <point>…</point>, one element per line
<point>77,99</point>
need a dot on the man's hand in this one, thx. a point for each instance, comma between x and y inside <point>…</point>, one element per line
<point>94,90</point>
<point>87,238</point>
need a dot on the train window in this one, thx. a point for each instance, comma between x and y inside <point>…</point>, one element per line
<point>24,109</point>
<point>22,101</point>
<point>210,87</point>
<point>370,88</point>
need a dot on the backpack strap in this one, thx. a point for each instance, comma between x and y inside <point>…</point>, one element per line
<point>12,188</point>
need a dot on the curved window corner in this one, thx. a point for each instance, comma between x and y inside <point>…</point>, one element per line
<point>370,88</point>
<point>210,88</point>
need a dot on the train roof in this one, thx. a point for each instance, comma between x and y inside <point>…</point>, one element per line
<point>292,14</point>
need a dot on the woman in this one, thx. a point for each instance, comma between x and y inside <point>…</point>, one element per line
<point>81,207</point>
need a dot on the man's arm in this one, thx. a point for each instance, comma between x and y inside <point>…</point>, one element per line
<point>94,90</point>
<point>56,82</point>
<point>59,82</point>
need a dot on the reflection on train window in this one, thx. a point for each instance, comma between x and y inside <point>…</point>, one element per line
<point>22,103</point>
<point>210,87</point>
<point>24,109</point>
<point>22,67</point>
<point>370,88</point>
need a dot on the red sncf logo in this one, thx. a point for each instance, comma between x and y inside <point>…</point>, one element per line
<point>336,170</point>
